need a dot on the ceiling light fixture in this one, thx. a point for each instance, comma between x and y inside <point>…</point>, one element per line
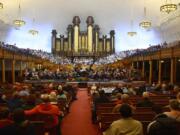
<point>145,24</point>
<point>168,7</point>
<point>1,5</point>
<point>132,33</point>
<point>19,22</point>
<point>33,31</point>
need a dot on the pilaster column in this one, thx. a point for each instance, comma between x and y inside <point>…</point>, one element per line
<point>159,72</point>
<point>150,71</point>
<point>132,65</point>
<point>137,65</point>
<point>3,71</point>
<point>143,69</point>
<point>13,71</point>
<point>172,73</point>
<point>21,72</point>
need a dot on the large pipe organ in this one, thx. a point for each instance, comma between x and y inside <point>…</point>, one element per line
<point>83,43</point>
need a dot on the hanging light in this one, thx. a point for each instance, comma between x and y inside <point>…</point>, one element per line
<point>33,31</point>
<point>145,24</point>
<point>19,22</point>
<point>132,33</point>
<point>1,5</point>
<point>168,7</point>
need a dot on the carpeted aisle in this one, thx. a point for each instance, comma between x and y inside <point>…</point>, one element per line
<point>78,121</point>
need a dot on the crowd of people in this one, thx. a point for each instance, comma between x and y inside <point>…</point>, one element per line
<point>78,73</point>
<point>49,100</point>
<point>164,123</point>
<point>88,61</point>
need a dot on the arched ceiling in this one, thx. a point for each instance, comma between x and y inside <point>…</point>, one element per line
<point>108,14</point>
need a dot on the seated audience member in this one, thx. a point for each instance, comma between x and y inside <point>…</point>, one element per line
<point>146,102</point>
<point>141,89</point>
<point>24,91</point>
<point>124,100</point>
<point>102,98</point>
<point>53,97</point>
<point>30,102</point>
<point>163,125</point>
<point>126,125</point>
<point>21,126</point>
<point>15,101</point>
<point>118,89</point>
<point>71,90</point>
<point>176,89</point>
<point>118,96</point>
<point>131,90</point>
<point>4,117</point>
<point>164,88</point>
<point>174,113</point>
<point>93,88</point>
<point>178,97</point>
<point>2,98</point>
<point>60,93</point>
<point>46,108</point>
<point>157,87</point>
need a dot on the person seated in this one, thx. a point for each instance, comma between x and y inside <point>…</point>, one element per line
<point>118,89</point>
<point>3,98</point>
<point>146,102</point>
<point>4,117</point>
<point>61,94</point>
<point>126,125</point>
<point>46,108</point>
<point>118,96</point>
<point>174,113</point>
<point>30,102</point>
<point>164,88</point>
<point>93,88</point>
<point>15,101</point>
<point>53,97</point>
<point>131,90</point>
<point>124,100</point>
<point>102,98</point>
<point>175,89</point>
<point>163,125</point>
<point>178,97</point>
<point>157,87</point>
<point>21,126</point>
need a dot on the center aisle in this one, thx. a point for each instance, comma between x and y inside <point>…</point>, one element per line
<point>78,121</point>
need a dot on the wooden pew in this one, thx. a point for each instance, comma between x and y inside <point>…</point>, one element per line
<point>107,118</point>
